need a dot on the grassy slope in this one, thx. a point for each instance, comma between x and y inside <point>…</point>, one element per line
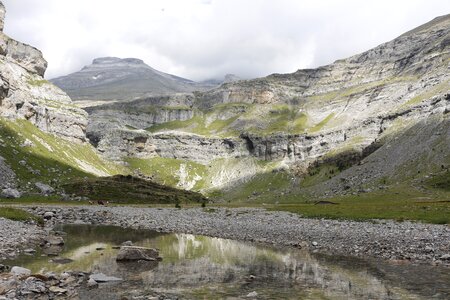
<point>68,167</point>
<point>49,158</point>
<point>128,189</point>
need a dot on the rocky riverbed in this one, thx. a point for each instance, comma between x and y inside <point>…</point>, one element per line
<point>390,240</point>
<point>401,243</point>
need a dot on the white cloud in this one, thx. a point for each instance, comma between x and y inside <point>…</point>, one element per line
<point>202,39</point>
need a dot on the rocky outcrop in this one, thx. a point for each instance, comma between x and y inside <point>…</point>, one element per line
<point>26,95</point>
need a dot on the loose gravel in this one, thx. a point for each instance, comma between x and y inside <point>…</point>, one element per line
<point>17,236</point>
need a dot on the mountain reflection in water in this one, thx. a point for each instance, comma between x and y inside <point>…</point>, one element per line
<point>199,267</point>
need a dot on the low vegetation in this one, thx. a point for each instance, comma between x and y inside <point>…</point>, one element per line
<point>400,203</point>
<point>128,189</point>
<point>16,214</point>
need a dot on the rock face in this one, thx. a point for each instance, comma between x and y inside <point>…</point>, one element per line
<point>26,95</point>
<point>112,78</point>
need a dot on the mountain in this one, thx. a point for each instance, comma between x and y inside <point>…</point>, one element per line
<point>112,78</point>
<point>309,133</point>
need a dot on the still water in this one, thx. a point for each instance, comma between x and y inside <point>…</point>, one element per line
<point>199,267</point>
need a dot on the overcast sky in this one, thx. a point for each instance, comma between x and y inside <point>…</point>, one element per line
<point>204,39</point>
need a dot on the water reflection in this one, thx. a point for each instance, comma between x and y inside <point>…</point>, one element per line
<point>199,267</point>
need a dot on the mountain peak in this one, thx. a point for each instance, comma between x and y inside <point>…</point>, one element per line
<point>116,60</point>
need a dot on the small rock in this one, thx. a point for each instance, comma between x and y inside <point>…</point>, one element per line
<point>127,243</point>
<point>57,290</point>
<point>48,215</point>
<point>252,294</point>
<point>314,243</point>
<point>92,283</point>
<point>27,143</point>
<point>100,277</point>
<point>55,241</point>
<point>29,251</point>
<point>445,257</point>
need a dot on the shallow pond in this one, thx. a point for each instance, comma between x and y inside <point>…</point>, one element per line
<point>199,267</point>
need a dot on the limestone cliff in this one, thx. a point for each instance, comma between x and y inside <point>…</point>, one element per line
<point>42,134</point>
<point>26,95</point>
<point>342,111</point>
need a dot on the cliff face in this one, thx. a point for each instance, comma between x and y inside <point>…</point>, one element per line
<point>42,134</point>
<point>347,109</point>
<point>24,94</point>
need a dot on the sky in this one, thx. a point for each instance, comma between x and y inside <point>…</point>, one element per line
<point>206,39</point>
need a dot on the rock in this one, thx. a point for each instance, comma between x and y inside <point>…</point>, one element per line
<point>27,143</point>
<point>57,290</point>
<point>445,257</point>
<point>54,241</point>
<point>29,251</point>
<point>133,253</point>
<point>252,295</point>
<point>45,189</point>
<point>7,285</point>
<point>10,193</point>
<point>91,283</point>
<point>314,243</point>
<point>48,215</point>
<point>19,271</point>
<point>127,243</point>
<point>62,261</point>
<point>4,268</point>
<point>33,285</point>
<point>100,277</point>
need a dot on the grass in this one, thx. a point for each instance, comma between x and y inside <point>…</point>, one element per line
<point>395,204</point>
<point>319,126</point>
<point>37,83</point>
<point>128,189</point>
<point>441,181</point>
<point>439,88</point>
<point>165,170</point>
<point>16,214</point>
<point>260,189</point>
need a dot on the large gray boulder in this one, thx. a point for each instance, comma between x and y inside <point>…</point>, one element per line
<point>10,193</point>
<point>133,253</point>
<point>45,189</point>
<point>19,271</point>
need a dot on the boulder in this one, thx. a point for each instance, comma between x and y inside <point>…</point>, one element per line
<point>48,215</point>
<point>133,253</point>
<point>19,271</point>
<point>54,241</point>
<point>10,193</point>
<point>45,189</point>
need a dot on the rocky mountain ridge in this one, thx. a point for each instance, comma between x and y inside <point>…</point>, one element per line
<point>345,110</point>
